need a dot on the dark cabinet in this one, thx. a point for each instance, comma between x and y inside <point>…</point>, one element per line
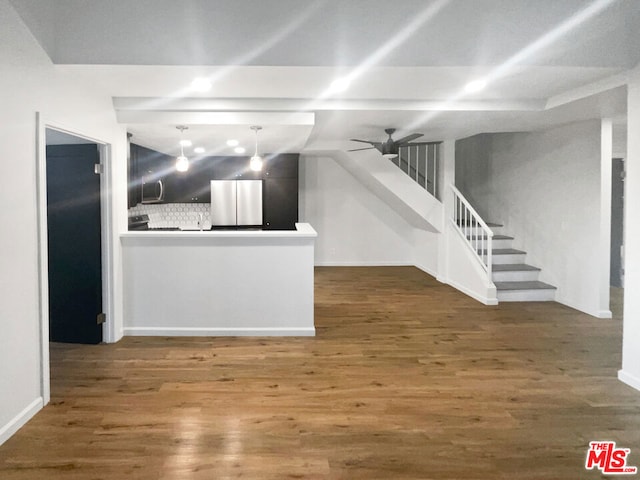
<point>284,165</point>
<point>280,201</point>
<point>134,190</point>
<point>148,170</point>
<point>192,186</point>
<point>153,164</point>
<point>232,168</point>
<point>280,189</point>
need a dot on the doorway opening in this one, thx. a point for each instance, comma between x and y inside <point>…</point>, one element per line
<point>75,246</point>
<point>617,237</point>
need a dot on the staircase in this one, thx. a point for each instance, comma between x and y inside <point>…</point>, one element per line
<point>515,281</point>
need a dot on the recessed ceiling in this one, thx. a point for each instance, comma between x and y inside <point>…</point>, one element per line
<point>213,138</point>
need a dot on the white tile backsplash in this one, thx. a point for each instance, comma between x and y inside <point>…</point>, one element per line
<point>172,215</point>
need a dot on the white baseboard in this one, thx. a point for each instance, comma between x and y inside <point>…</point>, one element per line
<point>629,379</point>
<point>428,270</point>
<point>119,335</point>
<point>218,332</point>
<point>6,431</point>
<point>474,295</point>
<point>365,263</point>
<point>594,313</point>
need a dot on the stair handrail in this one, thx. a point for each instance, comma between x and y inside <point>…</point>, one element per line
<point>466,220</point>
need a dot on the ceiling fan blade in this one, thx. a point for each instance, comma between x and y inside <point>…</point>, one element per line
<point>408,138</point>
<point>358,149</point>
<point>366,141</point>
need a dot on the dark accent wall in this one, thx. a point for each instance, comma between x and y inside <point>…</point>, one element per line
<point>473,170</point>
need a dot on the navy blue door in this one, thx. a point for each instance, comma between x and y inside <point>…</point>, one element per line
<point>74,244</point>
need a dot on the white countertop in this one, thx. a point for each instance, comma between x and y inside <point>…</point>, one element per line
<point>303,230</point>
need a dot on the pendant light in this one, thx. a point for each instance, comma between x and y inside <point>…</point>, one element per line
<point>182,162</point>
<point>256,161</point>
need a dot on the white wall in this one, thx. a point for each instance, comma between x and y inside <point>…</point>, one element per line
<point>630,372</point>
<point>545,187</point>
<point>219,283</point>
<point>29,83</point>
<point>354,226</point>
<point>619,140</point>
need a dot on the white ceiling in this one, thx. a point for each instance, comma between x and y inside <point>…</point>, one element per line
<point>331,32</point>
<point>547,62</point>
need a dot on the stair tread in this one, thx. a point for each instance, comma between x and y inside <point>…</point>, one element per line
<point>530,285</point>
<point>475,224</point>
<point>502,251</point>
<point>514,267</point>
<point>495,237</point>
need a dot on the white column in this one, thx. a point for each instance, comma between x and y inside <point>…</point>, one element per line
<point>630,372</point>
<point>446,177</point>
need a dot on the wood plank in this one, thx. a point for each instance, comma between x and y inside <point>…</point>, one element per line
<point>406,379</point>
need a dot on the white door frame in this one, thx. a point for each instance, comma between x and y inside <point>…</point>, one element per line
<point>105,155</point>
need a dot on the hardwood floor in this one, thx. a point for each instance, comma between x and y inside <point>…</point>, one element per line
<point>406,379</point>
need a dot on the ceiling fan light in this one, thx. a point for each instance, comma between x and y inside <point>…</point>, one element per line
<point>255,163</point>
<point>182,163</point>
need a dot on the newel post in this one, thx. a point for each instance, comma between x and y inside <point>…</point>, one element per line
<point>446,177</point>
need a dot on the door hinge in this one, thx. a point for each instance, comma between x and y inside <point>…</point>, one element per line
<point>97,169</point>
<point>102,317</point>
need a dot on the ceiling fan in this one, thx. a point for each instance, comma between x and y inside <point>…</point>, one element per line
<point>390,147</point>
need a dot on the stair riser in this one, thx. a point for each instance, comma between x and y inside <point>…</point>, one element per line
<point>506,259</point>
<point>502,243</point>
<point>479,231</point>
<point>518,276</point>
<point>542,295</point>
<point>494,244</point>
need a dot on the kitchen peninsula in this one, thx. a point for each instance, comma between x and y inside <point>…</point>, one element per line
<point>219,282</point>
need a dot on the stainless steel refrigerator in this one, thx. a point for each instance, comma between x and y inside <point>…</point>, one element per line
<point>236,202</point>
